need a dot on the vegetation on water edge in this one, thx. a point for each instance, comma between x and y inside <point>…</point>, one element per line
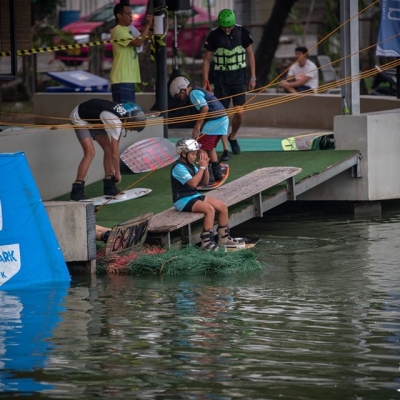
<point>173,262</point>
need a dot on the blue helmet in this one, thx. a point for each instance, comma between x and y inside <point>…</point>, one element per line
<point>134,115</point>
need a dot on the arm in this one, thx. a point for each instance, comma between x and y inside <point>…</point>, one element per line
<point>137,42</point>
<point>252,65</point>
<point>202,174</point>
<point>206,67</point>
<point>199,122</point>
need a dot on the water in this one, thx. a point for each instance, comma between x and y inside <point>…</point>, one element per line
<point>321,321</point>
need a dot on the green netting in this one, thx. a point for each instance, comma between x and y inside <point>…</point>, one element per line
<point>188,260</point>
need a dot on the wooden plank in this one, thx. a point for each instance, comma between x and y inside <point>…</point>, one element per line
<point>129,234</point>
<point>232,193</point>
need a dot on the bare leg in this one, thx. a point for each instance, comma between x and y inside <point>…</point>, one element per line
<point>224,140</point>
<point>212,154</point>
<point>88,155</point>
<point>105,143</point>
<point>236,122</point>
<point>208,207</point>
<point>208,211</point>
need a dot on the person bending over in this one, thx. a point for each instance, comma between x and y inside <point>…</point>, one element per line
<point>212,123</point>
<point>109,118</point>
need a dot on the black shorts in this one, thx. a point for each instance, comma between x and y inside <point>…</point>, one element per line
<point>190,204</point>
<point>230,84</point>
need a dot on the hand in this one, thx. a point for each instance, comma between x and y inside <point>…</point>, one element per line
<point>118,177</point>
<point>195,133</point>
<point>252,84</point>
<point>203,159</point>
<point>149,19</point>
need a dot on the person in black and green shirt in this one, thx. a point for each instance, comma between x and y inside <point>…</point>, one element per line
<point>230,45</point>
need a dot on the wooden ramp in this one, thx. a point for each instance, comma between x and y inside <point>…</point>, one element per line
<point>172,227</point>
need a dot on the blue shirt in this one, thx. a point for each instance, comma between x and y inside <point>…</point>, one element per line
<point>217,126</point>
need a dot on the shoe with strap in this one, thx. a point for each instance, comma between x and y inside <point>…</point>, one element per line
<point>225,239</point>
<point>207,241</point>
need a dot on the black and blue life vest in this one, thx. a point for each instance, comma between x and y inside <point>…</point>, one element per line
<point>215,107</point>
<point>180,191</point>
<point>90,110</point>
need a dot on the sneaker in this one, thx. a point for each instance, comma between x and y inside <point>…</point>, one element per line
<point>77,192</point>
<point>234,145</point>
<point>225,156</point>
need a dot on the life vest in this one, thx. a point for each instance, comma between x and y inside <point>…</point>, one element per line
<point>214,105</point>
<point>180,191</point>
<point>90,110</point>
<point>230,55</point>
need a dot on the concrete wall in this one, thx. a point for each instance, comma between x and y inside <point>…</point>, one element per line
<point>313,111</point>
<point>377,137</point>
<point>54,108</point>
<point>54,155</point>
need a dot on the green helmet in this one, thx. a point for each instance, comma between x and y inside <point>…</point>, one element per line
<point>226,18</point>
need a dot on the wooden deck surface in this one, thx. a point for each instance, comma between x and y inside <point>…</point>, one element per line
<point>232,193</point>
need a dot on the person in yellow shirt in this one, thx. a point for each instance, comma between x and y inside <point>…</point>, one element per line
<point>125,70</point>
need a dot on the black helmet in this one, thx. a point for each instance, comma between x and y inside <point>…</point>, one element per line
<point>137,119</point>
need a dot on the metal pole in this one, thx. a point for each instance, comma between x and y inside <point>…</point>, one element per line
<point>161,61</point>
<point>350,45</point>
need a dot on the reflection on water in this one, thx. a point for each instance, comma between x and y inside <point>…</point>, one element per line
<point>321,321</point>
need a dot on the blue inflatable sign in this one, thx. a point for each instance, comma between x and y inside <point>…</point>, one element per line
<point>29,250</point>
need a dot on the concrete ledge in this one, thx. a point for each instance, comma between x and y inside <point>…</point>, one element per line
<point>311,112</point>
<point>74,224</point>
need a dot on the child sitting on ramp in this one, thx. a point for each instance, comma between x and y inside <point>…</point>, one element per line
<point>185,177</point>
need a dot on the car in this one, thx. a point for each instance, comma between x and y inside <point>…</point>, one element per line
<point>195,27</point>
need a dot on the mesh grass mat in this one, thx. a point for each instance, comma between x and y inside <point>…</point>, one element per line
<point>173,262</point>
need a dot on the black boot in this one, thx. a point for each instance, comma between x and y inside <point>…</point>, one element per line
<point>216,169</point>
<point>105,235</point>
<point>211,175</point>
<point>78,191</point>
<point>109,187</point>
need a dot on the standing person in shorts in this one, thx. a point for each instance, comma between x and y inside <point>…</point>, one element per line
<point>110,116</point>
<point>185,177</point>
<point>212,122</point>
<point>230,45</point>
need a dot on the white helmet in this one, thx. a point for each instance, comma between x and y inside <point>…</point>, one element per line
<point>177,85</point>
<point>186,144</point>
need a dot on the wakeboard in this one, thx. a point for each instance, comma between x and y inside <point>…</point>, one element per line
<point>250,242</point>
<point>149,154</point>
<point>123,196</point>
<point>309,141</point>
<point>216,184</point>
<point>128,235</point>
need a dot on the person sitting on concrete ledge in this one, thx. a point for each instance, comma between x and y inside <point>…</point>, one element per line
<point>110,116</point>
<point>303,75</point>
<point>185,177</point>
